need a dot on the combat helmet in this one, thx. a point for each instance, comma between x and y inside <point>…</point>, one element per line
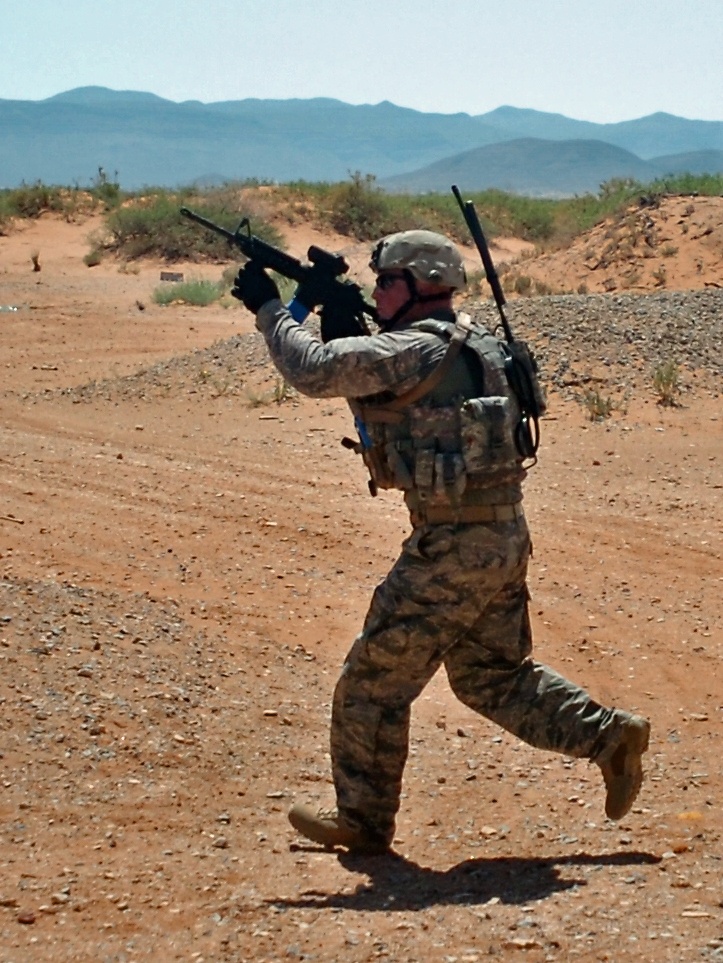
<point>427,256</point>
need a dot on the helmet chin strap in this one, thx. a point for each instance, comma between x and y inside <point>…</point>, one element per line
<point>414,298</point>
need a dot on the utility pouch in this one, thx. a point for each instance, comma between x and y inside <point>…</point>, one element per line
<point>488,427</point>
<point>441,423</point>
<point>450,479</point>
<point>424,459</point>
<point>378,466</point>
<point>398,467</point>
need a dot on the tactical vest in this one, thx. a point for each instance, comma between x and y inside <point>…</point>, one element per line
<point>450,441</point>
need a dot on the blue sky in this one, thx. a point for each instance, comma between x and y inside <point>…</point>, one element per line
<point>601,61</point>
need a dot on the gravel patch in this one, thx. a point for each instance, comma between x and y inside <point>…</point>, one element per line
<point>620,339</point>
<point>616,341</point>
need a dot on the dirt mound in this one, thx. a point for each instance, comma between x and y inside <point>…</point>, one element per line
<point>659,244</point>
<point>670,243</point>
<point>185,556</point>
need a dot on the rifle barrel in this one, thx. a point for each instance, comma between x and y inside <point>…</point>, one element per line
<point>199,219</point>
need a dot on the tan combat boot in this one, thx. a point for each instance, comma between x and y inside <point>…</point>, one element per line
<point>326,827</point>
<point>622,766</point>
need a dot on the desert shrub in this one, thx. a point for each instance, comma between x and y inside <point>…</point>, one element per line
<point>32,200</point>
<point>228,276</point>
<point>500,213</point>
<point>286,286</point>
<point>360,209</point>
<point>93,258</point>
<point>153,227</point>
<point>532,218</point>
<point>281,392</point>
<point>598,407</point>
<point>476,281</point>
<point>619,189</point>
<point>5,213</point>
<point>196,291</point>
<point>522,285</point>
<point>708,185</point>
<point>631,279</point>
<point>438,212</point>
<point>107,191</point>
<point>666,381</point>
<point>660,276</point>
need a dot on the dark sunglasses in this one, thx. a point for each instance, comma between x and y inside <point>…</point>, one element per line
<point>386,281</point>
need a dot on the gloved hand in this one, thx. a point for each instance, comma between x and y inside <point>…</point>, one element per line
<point>253,287</point>
<point>312,292</point>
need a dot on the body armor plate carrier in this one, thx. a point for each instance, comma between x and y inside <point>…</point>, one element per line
<point>460,437</point>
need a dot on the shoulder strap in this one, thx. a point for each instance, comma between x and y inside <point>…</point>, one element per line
<point>460,334</point>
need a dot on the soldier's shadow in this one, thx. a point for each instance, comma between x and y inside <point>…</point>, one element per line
<point>398,884</point>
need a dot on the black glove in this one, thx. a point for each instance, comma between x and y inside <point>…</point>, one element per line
<point>339,322</point>
<point>312,291</point>
<point>254,287</point>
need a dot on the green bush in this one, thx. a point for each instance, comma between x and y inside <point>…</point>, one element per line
<point>153,227</point>
<point>32,200</point>
<point>196,291</point>
<point>150,224</point>
<point>522,285</point>
<point>598,407</point>
<point>708,185</point>
<point>666,381</point>
<point>93,258</point>
<point>107,191</point>
<point>360,209</point>
<point>149,228</point>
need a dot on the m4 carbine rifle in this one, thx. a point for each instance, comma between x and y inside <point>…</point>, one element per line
<point>520,364</point>
<point>343,308</point>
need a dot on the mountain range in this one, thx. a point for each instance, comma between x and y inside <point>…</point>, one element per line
<point>145,140</point>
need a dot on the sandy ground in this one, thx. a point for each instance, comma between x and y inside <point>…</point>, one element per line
<point>183,564</point>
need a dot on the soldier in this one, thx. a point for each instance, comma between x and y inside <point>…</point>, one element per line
<point>437,420</point>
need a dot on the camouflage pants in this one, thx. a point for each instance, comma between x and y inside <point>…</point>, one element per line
<point>455,597</point>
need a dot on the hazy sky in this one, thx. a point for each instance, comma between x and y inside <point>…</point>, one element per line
<point>591,60</point>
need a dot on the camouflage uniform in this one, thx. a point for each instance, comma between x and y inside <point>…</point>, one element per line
<point>457,596</point>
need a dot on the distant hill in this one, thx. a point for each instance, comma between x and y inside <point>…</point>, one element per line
<point>148,140</point>
<point>695,162</point>
<point>647,137</point>
<point>543,168</point>
<point>103,96</point>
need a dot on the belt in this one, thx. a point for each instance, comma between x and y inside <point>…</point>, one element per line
<point>466,514</point>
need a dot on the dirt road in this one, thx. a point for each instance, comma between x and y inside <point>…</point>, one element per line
<point>183,563</point>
